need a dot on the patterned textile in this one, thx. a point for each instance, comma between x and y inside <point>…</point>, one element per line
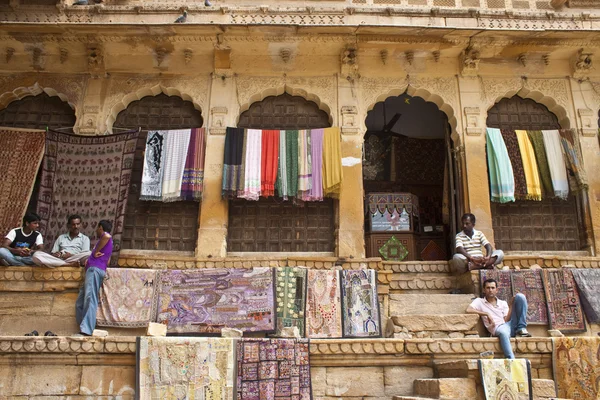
<point>409,154</point>
<point>532,177</point>
<point>291,153</point>
<point>128,298</point>
<point>304,165</point>
<point>173,368</point>
<point>393,250</point>
<point>89,176</point>
<point>193,173</point>
<point>291,298</point>
<point>269,369</point>
<point>504,282</point>
<point>576,366</point>
<point>562,296</point>
<point>537,141</point>
<point>382,202</point>
<point>433,252</point>
<point>506,379</point>
<point>21,152</point>
<point>282,179</point>
<point>154,160</point>
<point>514,153</point>
<point>204,301</point>
<point>323,304</point>
<point>360,305</point>
<point>176,153</point>
<point>232,162</point>
<point>502,181</point>
<point>573,157</point>
<point>252,165</point>
<point>556,163</point>
<point>316,148</point>
<point>332,162</point>
<point>588,283</point>
<point>269,160</point>
<point>530,284</point>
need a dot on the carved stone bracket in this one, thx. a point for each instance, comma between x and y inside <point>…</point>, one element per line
<point>587,117</point>
<point>217,125</point>
<point>349,121</point>
<point>582,63</point>
<point>89,121</point>
<point>469,62</point>
<point>473,117</point>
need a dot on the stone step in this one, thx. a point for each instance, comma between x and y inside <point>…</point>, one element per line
<point>446,388</point>
<point>435,326</point>
<point>422,283</point>
<point>414,304</point>
<point>543,389</point>
<point>416,266</point>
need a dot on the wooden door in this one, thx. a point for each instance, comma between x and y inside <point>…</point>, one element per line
<point>547,225</point>
<point>273,225</point>
<point>153,225</point>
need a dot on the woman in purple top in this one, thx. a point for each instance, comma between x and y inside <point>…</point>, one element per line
<point>95,270</point>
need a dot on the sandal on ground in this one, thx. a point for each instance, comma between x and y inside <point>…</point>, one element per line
<point>32,333</point>
<point>50,333</point>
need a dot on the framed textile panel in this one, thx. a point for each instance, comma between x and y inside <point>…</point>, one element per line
<point>506,379</point>
<point>564,307</point>
<point>323,304</point>
<point>503,278</point>
<point>290,293</point>
<point>360,305</point>
<point>530,284</point>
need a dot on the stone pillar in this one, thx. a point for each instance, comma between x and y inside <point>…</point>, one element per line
<point>89,121</point>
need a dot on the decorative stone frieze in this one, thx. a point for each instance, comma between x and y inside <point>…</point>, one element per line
<point>583,4</point>
<point>470,347</point>
<point>33,279</point>
<point>416,266</point>
<point>350,125</point>
<point>587,125</point>
<point>417,282</point>
<point>473,116</point>
<point>217,124</point>
<point>65,344</point>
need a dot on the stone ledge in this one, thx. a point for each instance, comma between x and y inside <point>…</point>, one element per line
<point>475,346</point>
<point>39,278</point>
<point>66,344</point>
<point>549,261</point>
<point>448,322</point>
<point>416,266</point>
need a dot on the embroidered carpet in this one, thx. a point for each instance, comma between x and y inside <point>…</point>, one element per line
<point>506,379</point>
<point>360,306</point>
<point>576,366</point>
<point>21,152</point>
<point>588,283</point>
<point>323,304</point>
<point>173,368</point>
<point>530,284</point>
<point>291,298</point>
<point>504,282</point>
<point>128,298</point>
<point>89,176</point>
<point>273,369</point>
<point>562,296</point>
<point>204,301</point>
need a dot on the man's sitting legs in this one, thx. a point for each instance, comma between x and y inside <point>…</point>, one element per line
<point>503,333</point>
<point>517,326</point>
<point>11,259</point>
<point>459,263</point>
<point>41,258</point>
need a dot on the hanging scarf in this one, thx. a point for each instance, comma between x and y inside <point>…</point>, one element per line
<point>304,165</point>
<point>532,177</point>
<point>514,153</point>
<point>176,154</point>
<point>232,162</point>
<point>269,162</point>
<point>154,160</point>
<point>316,141</point>
<point>332,162</point>
<point>193,174</point>
<point>556,163</point>
<point>537,141</point>
<point>252,165</point>
<point>502,181</point>
<point>574,158</point>
<point>282,182</point>
<point>291,153</point>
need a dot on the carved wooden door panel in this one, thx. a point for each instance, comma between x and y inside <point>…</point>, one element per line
<point>547,225</point>
<point>272,225</point>
<point>153,225</point>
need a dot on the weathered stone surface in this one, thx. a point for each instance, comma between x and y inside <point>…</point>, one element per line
<point>25,303</point>
<point>399,380</point>
<point>543,388</point>
<point>414,304</point>
<point>39,380</point>
<point>103,380</point>
<point>318,378</point>
<point>450,323</point>
<point>349,382</point>
<point>447,388</point>
<point>63,304</point>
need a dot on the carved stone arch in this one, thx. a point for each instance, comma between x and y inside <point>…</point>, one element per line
<point>34,90</point>
<point>426,95</point>
<point>277,91</point>
<point>122,104</point>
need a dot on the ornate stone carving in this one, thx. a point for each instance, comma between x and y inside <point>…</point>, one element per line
<point>95,57</point>
<point>588,127</point>
<point>9,53</point>
<point>187,55</point>
<point>474,346</point>
<point>400,282</point>
<point>584,4</point>
<point>409,56</point>
<point>37,59</point>
<point>436,55</point>
<point>39,278</point>
<point>356,346</point>
<point>581,63</point>
<point>523,24</point>
<point>217,125</point>
<point>384,56</point>
<point>64,55</point>
<point>71,345</point>
<point>469,62</point>
<point>493,89</point>
<point>349,64</point>
<point>285,54</point>
<point>416,266</point>
<point>350,125</point>
<point>160,54</point>
<point>473,117</point>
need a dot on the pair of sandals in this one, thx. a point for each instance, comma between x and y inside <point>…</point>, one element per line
<point>35,333</point>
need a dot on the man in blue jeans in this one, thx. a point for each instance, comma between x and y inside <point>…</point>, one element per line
<point>501,319</point>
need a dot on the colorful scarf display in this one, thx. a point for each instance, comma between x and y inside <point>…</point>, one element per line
<point>291,153</point>
<point>537,142</point>
<point>269,165</point>
<point>332,162</point>
<point>175,158</point>
<point>282,181</point>
<point>232,162</point>
<point>502,182</point>
<point>304,165</point>
<point>193,173</point>
<point>514,153</point>
<point>252,165</point>
<point>154,162</point>
<point>316,149</point>
<point>556,163</point>
<point>573,157</point>
<point>532,177</point>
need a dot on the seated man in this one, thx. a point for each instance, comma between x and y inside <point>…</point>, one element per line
<point>468,255</point>
<point>69,248</point>
<point>21,243</point>
<point>501,319</point>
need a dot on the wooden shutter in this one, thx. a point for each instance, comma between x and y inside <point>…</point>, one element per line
<point>547,225</point>
<point>152,225</point>
<point>272,225</point>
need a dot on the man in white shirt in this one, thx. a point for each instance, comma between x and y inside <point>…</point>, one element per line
<point>501,319</point>
<point>71,248</point>
<point>21,243</point>
<point>469,242</point>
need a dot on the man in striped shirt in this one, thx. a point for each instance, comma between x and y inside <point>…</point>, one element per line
<point>469,242</point>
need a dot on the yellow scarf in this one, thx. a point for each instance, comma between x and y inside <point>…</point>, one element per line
<point>532,176</point>
<point>332,162</point>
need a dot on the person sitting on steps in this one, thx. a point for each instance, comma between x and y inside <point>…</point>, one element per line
<point>468,255</point>
<point>21,243</point>
<point>71,248</point>
<point>500,318</point>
